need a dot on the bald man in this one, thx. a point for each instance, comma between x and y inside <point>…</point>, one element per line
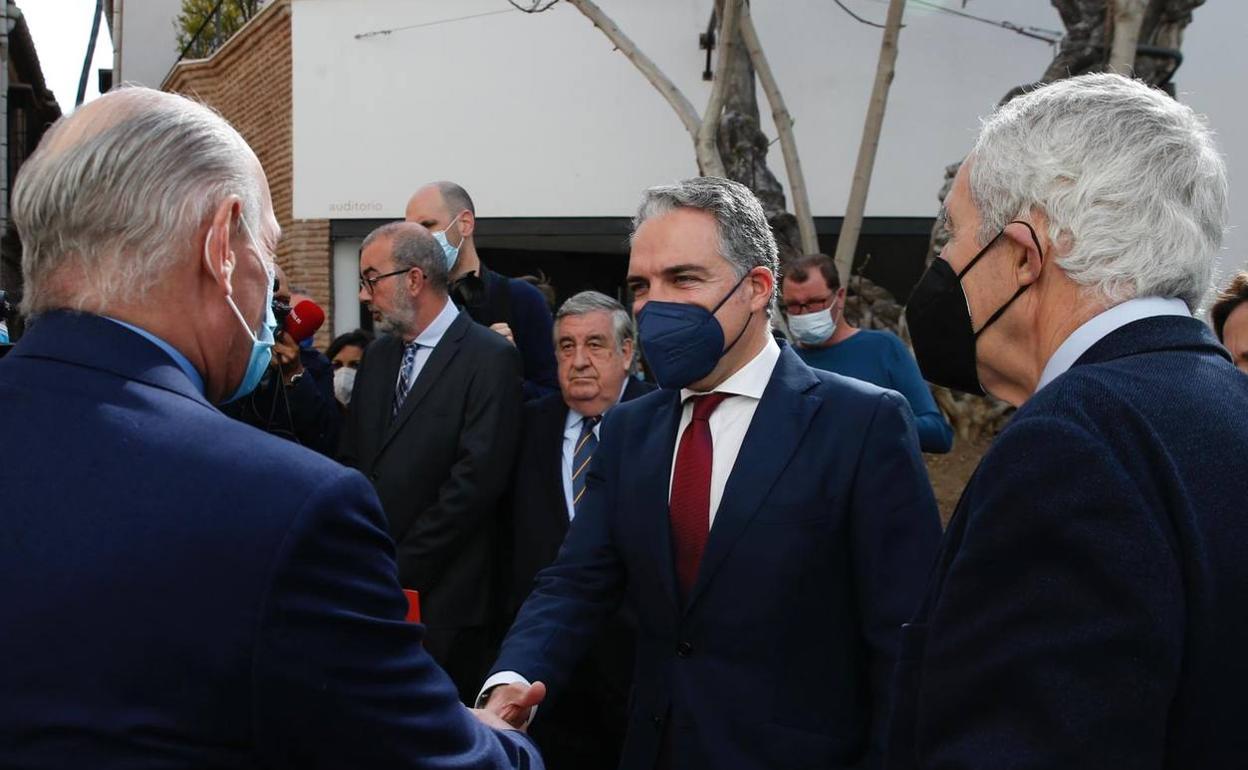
<point>177,589</point>
<point>510,306</point>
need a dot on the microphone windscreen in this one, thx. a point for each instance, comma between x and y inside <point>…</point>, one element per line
<point>304,319</point>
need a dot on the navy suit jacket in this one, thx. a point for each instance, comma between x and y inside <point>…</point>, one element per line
<point>1088,607</point>
<point>181,590</point>
<point>782,654</point>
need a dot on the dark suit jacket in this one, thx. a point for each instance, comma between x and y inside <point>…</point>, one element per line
<point>306,412</point>
<point>1087,610</point>
<point>539,519</point>
<point>180,590</point>
<point>442,464</point>
<point>782,654</point>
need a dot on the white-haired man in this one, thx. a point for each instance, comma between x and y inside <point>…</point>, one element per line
<point>1087,609</point>
<point>178,589</point>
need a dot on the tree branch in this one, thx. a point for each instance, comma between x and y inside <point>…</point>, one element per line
<point>684,108</point>
<point>784,125</point>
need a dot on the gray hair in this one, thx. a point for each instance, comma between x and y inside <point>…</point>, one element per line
<point>1134,189</point>
<point>745,238</point>
<point>411,245</point>
<point>103,215</point>
<point>593,302</point>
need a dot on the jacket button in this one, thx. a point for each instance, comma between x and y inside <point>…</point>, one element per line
<point>684,649</point>
<point>658,722</point>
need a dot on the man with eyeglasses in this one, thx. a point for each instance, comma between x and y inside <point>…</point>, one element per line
<point>434,423</point>
<point>814,306</point>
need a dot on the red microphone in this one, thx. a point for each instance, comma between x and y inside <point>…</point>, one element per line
<point>304,319</point>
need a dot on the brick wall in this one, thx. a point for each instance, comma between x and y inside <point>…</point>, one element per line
<point>248,81</point>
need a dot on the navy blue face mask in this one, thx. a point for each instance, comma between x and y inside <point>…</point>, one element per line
<point>683,342</point>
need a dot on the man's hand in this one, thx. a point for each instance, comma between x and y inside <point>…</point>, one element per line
<point>286,356</point>
<point>513,703</point>
<point>504,330</point>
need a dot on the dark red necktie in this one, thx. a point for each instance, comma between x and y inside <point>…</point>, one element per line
<point>691,491</point>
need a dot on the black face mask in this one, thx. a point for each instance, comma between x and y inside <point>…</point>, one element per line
<point>939,318</point>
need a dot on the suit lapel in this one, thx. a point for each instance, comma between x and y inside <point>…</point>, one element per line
<point>552,448</point>
<point>430,373</point>
<point>652,484</point>
<point>783,415</point>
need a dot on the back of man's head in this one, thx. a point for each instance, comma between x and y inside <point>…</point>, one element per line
<point>115,193</point>
<point>1133,187</point>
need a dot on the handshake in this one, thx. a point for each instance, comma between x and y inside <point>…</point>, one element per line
<point>509,706</point>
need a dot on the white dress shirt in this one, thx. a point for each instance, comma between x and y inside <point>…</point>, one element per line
<point>731,419</point>
<point>572,434</point>
<point>728,423</point>
<point>428,339</point>
<point>1101,326</point>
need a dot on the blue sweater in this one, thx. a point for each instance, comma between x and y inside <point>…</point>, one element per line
<point>882,359</point>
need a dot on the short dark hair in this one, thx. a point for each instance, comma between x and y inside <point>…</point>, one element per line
<point>455,197</point>
<point>358,338</point>
<point>799,269</point>
<point>1234,295</point>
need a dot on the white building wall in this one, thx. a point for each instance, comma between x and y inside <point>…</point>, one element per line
<point>147,47</point>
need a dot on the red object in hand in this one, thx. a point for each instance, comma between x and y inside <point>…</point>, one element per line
<point>304,319</point>
<point>413,605</point>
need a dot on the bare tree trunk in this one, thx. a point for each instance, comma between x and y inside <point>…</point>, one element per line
<point>847,242</point>
<point>784,126</point>
<point>706,144</point>
<point>1128,20</point>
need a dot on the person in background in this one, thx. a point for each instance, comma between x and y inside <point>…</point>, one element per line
<point>512,307</point>
<point>814,307</point>
<point>543,284</point>
<point>1229,315</point>
<point>595,342</point>
<point>434,423</point>
<point>345,355</point>
<point>295,398</point>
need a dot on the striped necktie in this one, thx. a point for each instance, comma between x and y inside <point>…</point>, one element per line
<point>585,446</point>
<point>406,372</point>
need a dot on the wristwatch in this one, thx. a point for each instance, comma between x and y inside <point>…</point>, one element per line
<point>298,376</point>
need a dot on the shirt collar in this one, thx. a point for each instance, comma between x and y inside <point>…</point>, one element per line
<point>1102,325</point>
<point>182,361</point>
<point>750,380</point>
<point>431,335</point>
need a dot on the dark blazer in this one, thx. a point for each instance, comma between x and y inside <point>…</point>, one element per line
<point>306,412</point>
<point>521,306</point>
<point>442,465</point>
<point>782,654</point>
<point>539,519</point>
<point>181,590</point>
<point>1087,609</point>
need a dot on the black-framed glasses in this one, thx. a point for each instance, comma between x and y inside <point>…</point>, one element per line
<point>370,284</point>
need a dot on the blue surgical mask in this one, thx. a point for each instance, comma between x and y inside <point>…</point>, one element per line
<point>683,342</point>
<point>451,252</point>
<point>813,328</point>
<point>261,341</point>
<point>4,333</point>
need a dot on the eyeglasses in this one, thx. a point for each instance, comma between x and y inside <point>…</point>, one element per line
<point>370,284</point>
<point>814,305</point>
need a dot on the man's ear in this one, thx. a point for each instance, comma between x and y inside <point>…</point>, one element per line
<point>414,280</point>
<point>467,223</point>
<point>1030,250</point>
<point>626,350</point>
<point>762,287</point>
<point>220,259</point>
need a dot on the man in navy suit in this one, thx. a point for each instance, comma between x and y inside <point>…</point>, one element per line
<point>178,589</point>
<point>1087,609</point>
<point>595,340</point>
<point>770,525</point>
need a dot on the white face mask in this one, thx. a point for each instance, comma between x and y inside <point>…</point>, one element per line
<point>344,381</point>
<point>813,328</point>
